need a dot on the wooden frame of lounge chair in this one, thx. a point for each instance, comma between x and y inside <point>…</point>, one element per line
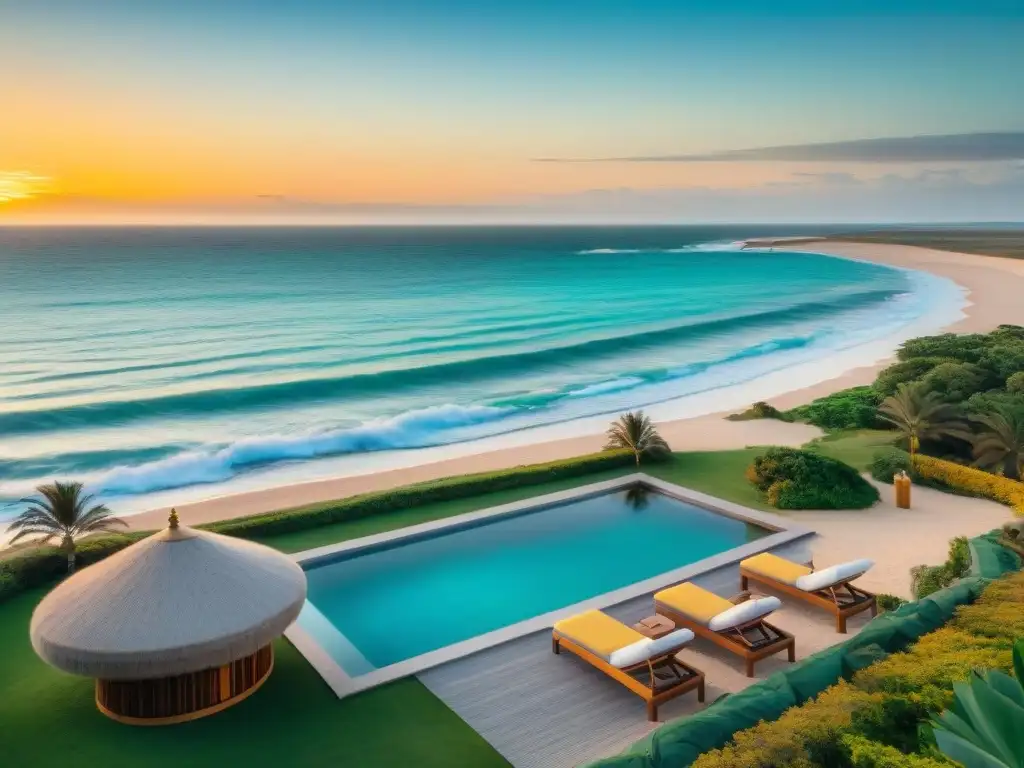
<point>772,640</point>
<point>693,677</point>
<point>832,598</point>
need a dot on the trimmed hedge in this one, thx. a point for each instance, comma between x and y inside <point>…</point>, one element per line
<point>700,740</point>
<point>446,489</point>
<point>796,479</point>
<point>43,565</point>
<point>974,482</point>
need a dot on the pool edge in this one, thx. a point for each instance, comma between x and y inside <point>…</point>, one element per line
<point>783,532</point>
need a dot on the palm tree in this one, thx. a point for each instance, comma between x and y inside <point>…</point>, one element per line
<point>635,432</point>
<point>921,415</point>
<point>66,512</point>
<point>1001,442</point>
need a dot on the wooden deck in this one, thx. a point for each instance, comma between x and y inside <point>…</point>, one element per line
<point>546,711</point>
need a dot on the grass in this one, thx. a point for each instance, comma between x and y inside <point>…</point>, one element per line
<point>49,718</point>
<point>717,473</point>
<point>856,447</point>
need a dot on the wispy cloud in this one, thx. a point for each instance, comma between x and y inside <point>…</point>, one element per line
<point>958,147</point>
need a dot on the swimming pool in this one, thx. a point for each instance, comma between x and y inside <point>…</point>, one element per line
<point>377,606</point>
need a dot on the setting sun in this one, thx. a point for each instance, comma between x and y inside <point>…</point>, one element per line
<point>19,185</point>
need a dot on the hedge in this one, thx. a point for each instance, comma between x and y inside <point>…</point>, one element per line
<point>974,482</point>
<point>682,743</point>
<point>43,565</point>
<point>875,716</point>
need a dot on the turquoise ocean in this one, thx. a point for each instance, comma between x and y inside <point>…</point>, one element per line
<point>192,362</point>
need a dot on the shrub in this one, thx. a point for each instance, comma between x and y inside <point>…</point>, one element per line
<point>998,615</point>
<point>972,481</point>
<point>888,602</point>
<point>759,410</point>
<point>926,579</point>
<point>43,565</point>
<point>1004,360</point>
<point>965,348</point>
<point>864,753</point>
<point>994,400</point>
<point>888,463</point>
<point>797,479</point>
<point>904,372</point>
<point>804,736</point>
<point>1015,384</point>
<point>955,382</point>
<point>855,408</point>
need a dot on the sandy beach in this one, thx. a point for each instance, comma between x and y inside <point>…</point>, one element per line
<point>994,287</point>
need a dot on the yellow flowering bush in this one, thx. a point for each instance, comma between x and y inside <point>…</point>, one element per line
<point>972,481</point>
<point>872,721</point>
<point>796,739</point>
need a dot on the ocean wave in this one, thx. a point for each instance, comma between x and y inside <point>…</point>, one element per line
<point>240,399</point>
<point>413,429</point>
<point>605,387</point>
<point>710,247</point>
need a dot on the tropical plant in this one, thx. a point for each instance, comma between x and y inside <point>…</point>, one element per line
<point>635,432</point>
<point>792,478</point>
<point>1000,443</point>
<point>983,727</point>
<point>63,512</point>
<point>920,415</point>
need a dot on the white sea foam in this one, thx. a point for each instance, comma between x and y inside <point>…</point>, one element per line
<point>716,245</point>
<point>604,387</point>
<point>408,430</point>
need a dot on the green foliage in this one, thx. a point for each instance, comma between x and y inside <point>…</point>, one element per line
<point>926,579</point>
<point>984,726</point>
<point>955,382</point>
<point>759,410</point>
<point>905,372</point>
<point>854,408</point>
<point>919,414</point>
<point>887,602</point>
<point>965,348</point>
<point>798,479</point>
<point>994,400</point>
<point>1004,360</point>
<point>1015,384</point>
<point>864,753</point>
<point>999,442</point>
<point>43,565</point>
<point>888,463</point>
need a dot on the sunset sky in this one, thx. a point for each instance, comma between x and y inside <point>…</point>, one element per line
<point>470,111</point>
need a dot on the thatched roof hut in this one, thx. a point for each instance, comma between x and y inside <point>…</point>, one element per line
<point>175,626</point>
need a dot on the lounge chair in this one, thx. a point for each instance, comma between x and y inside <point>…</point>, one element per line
<point>829,588</point>
<point>739,628</point>
<point>647,667</point>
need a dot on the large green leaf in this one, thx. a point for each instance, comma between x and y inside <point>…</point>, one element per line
<point>1001,722</point>
<point>1007,686</point>
<point>962,751</point>
<point>1018,661</point>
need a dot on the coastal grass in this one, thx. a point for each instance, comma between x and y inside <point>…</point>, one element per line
<point>49,718</point>
<point>856,447</point>
<point>1006,243</point>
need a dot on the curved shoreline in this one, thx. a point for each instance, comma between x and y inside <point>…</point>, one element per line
<point>991,284</point>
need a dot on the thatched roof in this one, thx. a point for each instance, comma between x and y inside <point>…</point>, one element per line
<point>179,601</point>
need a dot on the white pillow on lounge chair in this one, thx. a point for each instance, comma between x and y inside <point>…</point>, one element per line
<point>744,612</point>
<point>642,650</point>
<point>836,574</point>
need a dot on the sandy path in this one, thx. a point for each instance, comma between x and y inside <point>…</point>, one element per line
<point>995,289</point>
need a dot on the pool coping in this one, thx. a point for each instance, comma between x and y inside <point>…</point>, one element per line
<point>784,531</point>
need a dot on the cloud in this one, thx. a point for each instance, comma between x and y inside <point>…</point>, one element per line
<point>953,148</point>
<point>21,185</point>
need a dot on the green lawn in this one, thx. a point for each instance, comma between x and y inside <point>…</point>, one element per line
<point>48,718</point>
<point>855,447</point>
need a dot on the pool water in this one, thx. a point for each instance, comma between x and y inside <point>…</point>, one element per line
<point>369,610</point>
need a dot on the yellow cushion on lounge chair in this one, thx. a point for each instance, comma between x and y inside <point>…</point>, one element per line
<point>598,632</point>
<point>775,567</point>
<point>693,602</point>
